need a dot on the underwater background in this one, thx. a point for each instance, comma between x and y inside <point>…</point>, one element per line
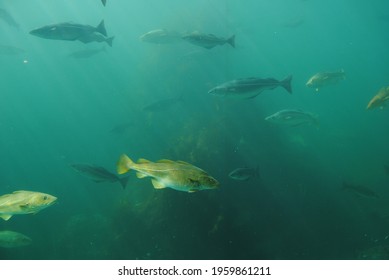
<point>57,110</point>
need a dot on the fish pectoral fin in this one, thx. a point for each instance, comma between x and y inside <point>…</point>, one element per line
<point>24,206</point>
<point>140,175</point>
<point>5,217</point>
<point>157,185</point>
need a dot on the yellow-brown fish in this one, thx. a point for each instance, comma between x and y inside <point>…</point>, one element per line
<point>380,99</point>
<point>325,78</point>
<point>165,173</point>
<point>24,202</point>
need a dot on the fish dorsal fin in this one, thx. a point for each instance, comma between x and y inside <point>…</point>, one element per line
<point>21,191</point>
<point>142,160</point>
<point>157,185</point>
<point>5,217</point>
<point>183,162</point>
<point>140,175</point>
<point>165,161</point>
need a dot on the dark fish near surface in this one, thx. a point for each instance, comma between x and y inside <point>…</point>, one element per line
<point>207,41</point>
<point>68,31</point>
<point>10,50</point>
<point>162,104</point>
<point>250,87</point>
<point>244,174</point>
<point>87,53</point>
<point>99,174</point>
<point>292,118</point>
<point>5,16</point>
<point>161,36</point>
<point>104,2</point>
<point>360,190</point>
<point>12,239</point>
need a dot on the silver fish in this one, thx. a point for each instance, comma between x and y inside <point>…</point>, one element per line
<point>161,36</point>
<point>12,239</point>
<point>207,41</point>
<point>68,31</point>
<point>360,190</point>
<point>5,16</point>
<point>250,87</point>
<point>10,50</point>
<point>99,174</point>
<point>244,174</point>
<point>322,79</point>
<point>292,118</point>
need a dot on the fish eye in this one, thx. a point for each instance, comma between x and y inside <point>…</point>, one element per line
<point>45,197</point>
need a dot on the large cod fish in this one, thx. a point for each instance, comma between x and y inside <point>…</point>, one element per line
<point>178,175</point>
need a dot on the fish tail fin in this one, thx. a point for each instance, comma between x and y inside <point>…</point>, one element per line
<point>109,41</point>
<point>123,181</point>
<point>231,41</point>
<point>287,83</point>
<point>124,164</point>
<point>101,28</point>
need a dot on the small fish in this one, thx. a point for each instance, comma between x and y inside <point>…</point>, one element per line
<point>68,31</point>
<point>379,100</point>
<point>104,2</point>
<point>10,50</point>
<point>5,16</point>
<point>12,239</point>
<point>178,175</point>
<point>244,174</point>
<point>207,41</point>
<point>99,174</point>
<point>24,202</point>
<point>161,36</point>
<point>250,87</point>
<point>360,190</point>
<point>322,79</point>
<point>292,118</point>
<point>87,53</point>
<point>121,128</point>
<point>162,104</point>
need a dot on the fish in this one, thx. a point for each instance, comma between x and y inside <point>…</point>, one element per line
<point>250,87</point>
<point>379,100</point>
<point>244,173</point>
<point>162,104</point>
<point>165,173</point>
<point>87,53</point>
<point>13,239</point>
<point>98,174</point>
<point>293,117</point>
<point>360,190</point>
<point>5,16</point>
<point>161,36</point>
<point>322,79</point>
<point>122,128</point>
<point>207,41</point>
<point>24,202</point>
<point>10,50</point>
<point>68,31</point>
<point>104,2</point>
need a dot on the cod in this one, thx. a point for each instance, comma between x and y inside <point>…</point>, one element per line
<point>165,173</point>
<point>322,79</point>
<point>24,202</point>
<point>379,100</point>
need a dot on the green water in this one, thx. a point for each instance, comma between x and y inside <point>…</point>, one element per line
<point>56,110</point>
